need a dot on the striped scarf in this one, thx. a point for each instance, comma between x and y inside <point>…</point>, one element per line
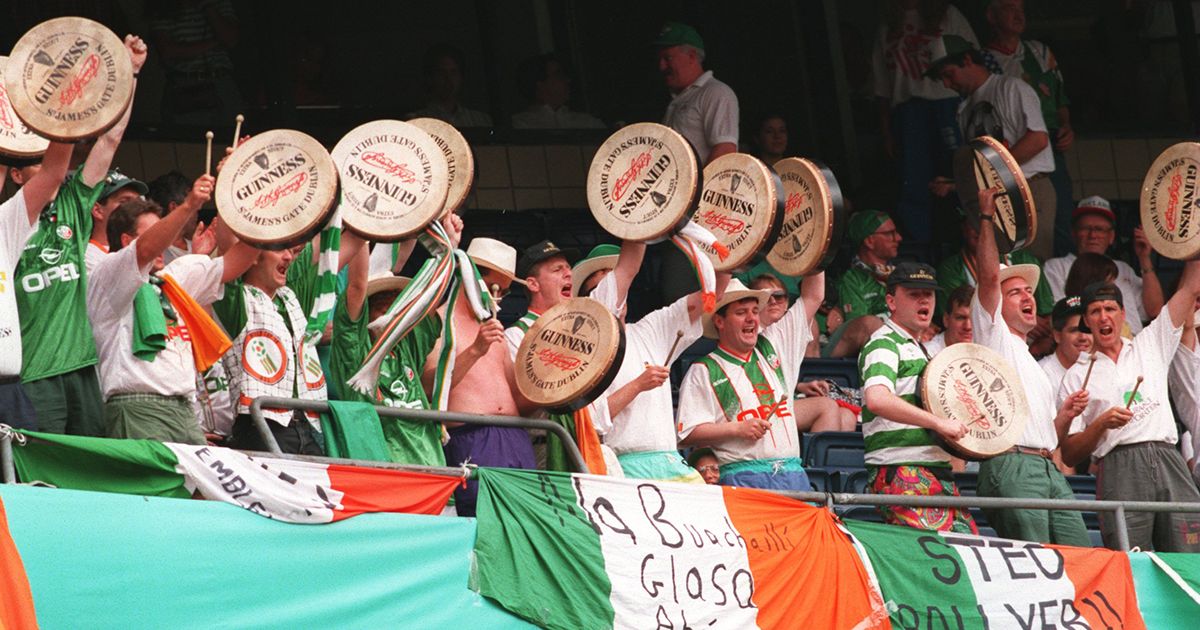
<point>445,271</point>
<point>688,240</point>
<point>327,272</point>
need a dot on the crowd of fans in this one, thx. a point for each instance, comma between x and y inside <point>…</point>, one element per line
<point>113,294</point>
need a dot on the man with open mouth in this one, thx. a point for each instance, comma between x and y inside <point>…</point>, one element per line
<point>1003,313</point>
<point>1127,427</point>
<point>903,454</point>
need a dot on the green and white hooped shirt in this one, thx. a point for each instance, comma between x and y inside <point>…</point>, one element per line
<point>893,359</point>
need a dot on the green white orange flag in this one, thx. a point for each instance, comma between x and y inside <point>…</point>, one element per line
<point>287,490</point>
<point>585,551</point>
<point>942,580</point>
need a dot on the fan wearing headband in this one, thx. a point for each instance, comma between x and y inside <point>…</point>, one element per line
<point>1127,428</point>
<point>903,453</point>
<point>738,399</point>
<point>1003,314</point>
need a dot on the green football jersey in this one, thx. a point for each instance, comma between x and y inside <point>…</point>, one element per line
<point>56,335</point>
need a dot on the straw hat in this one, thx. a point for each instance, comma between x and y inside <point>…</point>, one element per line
<point>495,255</point>
<point>735,292</point>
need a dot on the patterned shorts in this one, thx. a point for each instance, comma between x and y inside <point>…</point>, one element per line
<point>919,480</point>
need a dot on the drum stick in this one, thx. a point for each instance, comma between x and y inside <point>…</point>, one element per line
<point>1129,403</point>
<point>495,289</point>
<point>208,136</point>
<point>237,130</point>
<point>671,352</point>
<point>1091,364</point>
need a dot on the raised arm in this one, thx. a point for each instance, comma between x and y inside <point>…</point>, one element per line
<point>987,256</point>
<point>239,258</point>
<point>812,291</point>
<point>40,188</point>
<point>1152,291</point>
<point>695,301</point>
<point>101,156</point>
<point>629,262</point>
<point>158,237</point>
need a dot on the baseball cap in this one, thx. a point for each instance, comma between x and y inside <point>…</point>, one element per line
<point>1094,205</point>
<point>116,180</point>
<point>1098,292</point>
<point>913,275</point>
<point>864,223</point>
<point>538,252</point>
<point>678,34</point>
<point>946,49</point>
<point>1064,309</point>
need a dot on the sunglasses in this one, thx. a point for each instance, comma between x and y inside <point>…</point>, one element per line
<point>778,296</point>
<point>708,468</point>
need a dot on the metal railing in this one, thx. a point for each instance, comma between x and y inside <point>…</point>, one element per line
<point>829,499</point>
<point>416,415</point>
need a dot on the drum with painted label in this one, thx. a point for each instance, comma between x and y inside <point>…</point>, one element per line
<point>975,385</point>
<point>570,355</point>
<point>814,218</point>
<point>394,180</point>
<point>742,205</point>
<point>643,182</point>
<point>1168,203</point>
<point>17,140</point>
<point>460,161</point>
<point>69,79</point>
<point>985,163</point>
<point>277,189</point>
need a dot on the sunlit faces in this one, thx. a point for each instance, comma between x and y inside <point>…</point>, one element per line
<point>1104,318</point>
<point>737,325</point>
<point>1018,307</point>
<point>884,242</point>
<point>551,280</point>
<point>1093,234</point>
<point>270,272</point>
<point>679,66</point>
<point>958,325</point>
<point>912,309</point>
<point>1071,342</point>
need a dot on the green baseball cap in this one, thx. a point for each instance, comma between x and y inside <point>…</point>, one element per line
<point>864,223</point>
<point>678,34</point>
<point>946,49</point>
<point>116,180</point>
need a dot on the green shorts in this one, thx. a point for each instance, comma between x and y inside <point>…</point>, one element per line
<point>152,417</point>
<point>68,403</point>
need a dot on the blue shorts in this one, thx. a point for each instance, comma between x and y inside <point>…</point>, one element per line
<point>767,474</point>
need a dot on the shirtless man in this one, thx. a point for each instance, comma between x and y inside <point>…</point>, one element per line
<point>484,382</point>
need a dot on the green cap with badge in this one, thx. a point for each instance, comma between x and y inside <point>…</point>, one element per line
<point>116,180</point>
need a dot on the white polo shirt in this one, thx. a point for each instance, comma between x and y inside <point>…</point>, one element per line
<point>648,422</point>
<point>1148,355</point>
<point>112,285</point>
<point>706,113</point>
<point>993,332</point>
<point>1055,273</point>
<point>15,229</point>
<point>698,403</point>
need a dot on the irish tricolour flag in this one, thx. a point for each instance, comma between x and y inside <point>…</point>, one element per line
<point>584,551</point>
<point>580,551</point>
<point>286,490</point>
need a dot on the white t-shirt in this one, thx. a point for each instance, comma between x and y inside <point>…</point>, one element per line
<point>112,285</point>
<point>648,422</point>
<point>993,332</point>
<point>1055,273</point>
<point>698,402</point>
<point>1054,370</point>
<point>543,117</point>
<point>1148,355</point>
<point>1006,109</point>
<point>15,229</point>
<point>706,113</point>
<point>899,60</point>
<point>93,255</point>
<point>936,345</point>
<point>1184,382</point>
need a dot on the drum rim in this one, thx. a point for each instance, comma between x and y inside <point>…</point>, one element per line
<point>759,253</point>
<point>924,388</point>
<point>689,208</point>
<point>348,220</point>
<point>469,154</point>
<point>124,61</point>
<point>831,193</point>
<point>994,153</point>
<point>300,236</point>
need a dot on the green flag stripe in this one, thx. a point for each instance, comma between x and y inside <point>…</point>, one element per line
<point>85,463</point>
<point>537,552</point>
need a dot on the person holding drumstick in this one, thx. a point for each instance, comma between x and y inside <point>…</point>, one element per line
<point>1128,430</point>
<point>738,399</point>
<point>1003,313</point>
<point>903,455</point>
